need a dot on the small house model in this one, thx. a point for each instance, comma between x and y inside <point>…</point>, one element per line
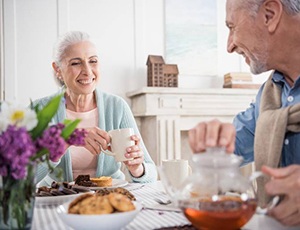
<point>160,74</point>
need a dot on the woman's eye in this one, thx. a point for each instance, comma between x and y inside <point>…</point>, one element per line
<point>75,63</point>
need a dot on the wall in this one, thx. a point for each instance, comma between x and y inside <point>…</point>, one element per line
<point>127,31</point>
<point>1,51</point>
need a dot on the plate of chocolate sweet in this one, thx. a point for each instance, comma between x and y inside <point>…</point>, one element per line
<point>96,183</point>
<point>59,192</point>
<point>111,210</point>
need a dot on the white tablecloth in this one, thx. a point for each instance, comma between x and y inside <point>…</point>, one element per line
<point>46,217</point>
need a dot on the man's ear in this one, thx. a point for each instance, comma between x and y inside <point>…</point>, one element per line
<point>272,10</point>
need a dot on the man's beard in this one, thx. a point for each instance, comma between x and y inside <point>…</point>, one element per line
<point>258,65</point>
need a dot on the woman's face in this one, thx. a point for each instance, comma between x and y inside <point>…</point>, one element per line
<point>80,68</point>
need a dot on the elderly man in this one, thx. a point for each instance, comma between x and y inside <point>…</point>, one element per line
<point>267,34</point>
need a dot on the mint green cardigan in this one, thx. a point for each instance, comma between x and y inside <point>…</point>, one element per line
<point>114,113</point>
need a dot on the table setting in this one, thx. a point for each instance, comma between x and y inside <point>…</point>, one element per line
<point>214,195</point>
<point>152,215</point>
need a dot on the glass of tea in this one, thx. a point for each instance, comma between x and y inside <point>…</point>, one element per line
<point>216,195</point>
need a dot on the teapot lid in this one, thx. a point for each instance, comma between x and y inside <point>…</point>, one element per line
<point>216,158</point>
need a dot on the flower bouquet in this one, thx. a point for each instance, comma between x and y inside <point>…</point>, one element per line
<point>26,139</point>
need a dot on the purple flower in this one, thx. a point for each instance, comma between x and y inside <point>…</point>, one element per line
<point>52,141</point>
<point>16,148</point>
<point>77,137</point>
<point>55,144</point>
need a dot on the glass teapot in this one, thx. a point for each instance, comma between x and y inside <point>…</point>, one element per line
<point>216,195</point>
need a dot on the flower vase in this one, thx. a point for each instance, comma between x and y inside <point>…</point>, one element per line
<point>17,198</point>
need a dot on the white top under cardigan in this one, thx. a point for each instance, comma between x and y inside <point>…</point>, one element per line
<point>83,161</point>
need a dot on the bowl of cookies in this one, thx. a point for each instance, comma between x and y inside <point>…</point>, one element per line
<point>111,210</point>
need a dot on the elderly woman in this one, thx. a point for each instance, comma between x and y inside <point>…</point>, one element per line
<point>76,67</point>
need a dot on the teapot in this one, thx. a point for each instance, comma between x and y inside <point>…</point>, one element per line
<point>216,195</point>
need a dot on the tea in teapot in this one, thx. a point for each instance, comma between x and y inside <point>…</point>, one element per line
<point>225,212</point>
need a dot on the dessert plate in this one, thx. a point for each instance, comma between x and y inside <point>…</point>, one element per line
<point>115,183</point>
<point>55,200</point>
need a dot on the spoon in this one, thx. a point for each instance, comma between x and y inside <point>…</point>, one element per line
<point>163,202</point>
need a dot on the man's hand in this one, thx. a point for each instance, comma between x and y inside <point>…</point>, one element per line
<point>286,182</point>
<point>212,134</point>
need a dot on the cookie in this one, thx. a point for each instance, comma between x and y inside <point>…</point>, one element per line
<point>74,206</point>
<point>120,202</point>
<point>103,192</point>
<point>120,190</point>
<point>125,192</point>
<point>90,204</point>
<point>96,205</point>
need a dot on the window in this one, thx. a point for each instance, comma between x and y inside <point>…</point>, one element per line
<point>191,36</point>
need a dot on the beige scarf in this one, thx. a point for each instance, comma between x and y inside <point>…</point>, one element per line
<point>271,127</point>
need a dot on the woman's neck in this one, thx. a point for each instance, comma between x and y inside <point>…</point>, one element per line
<point>80,103</point>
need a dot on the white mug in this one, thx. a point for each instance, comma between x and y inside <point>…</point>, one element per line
<point>176,171</point>
<point>120,141</point>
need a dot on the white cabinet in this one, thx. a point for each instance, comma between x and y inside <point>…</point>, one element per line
<point>164,115</point>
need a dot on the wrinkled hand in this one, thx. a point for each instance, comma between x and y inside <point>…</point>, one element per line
<point>285,181</point>
<point>135,165</point>
<point>212,134</point>
<point>96,139</point>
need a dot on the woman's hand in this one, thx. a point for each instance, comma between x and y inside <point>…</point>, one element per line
<point>285,182</point>
<point>135,166</point>
<point>96,140</point>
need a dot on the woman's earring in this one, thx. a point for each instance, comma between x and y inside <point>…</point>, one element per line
<point>60,79</point>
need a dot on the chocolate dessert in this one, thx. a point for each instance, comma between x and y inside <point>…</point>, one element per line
<point>84,180</point>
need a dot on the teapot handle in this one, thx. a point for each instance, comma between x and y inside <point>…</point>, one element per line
<point>255,175</point>
<point>275,200</point>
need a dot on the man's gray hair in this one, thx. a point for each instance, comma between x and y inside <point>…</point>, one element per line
<point>292,7</point>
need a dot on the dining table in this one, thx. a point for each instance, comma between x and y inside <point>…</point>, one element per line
<point>152,215</point>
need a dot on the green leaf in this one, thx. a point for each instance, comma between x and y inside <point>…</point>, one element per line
<point>69,128</point>
<point>67,122</point>
<point>45,115</point>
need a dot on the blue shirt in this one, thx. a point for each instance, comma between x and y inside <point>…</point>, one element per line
<point>245,123</point>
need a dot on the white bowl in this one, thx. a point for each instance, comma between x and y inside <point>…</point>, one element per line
<point>104,221</point>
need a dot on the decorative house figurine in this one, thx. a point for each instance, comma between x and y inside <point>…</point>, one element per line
<point>161,74</point>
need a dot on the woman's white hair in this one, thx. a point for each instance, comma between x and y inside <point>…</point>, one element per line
<point>292,7</point>
<point>66,40</point>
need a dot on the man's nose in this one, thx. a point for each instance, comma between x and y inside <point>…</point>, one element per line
<point>230,44</point>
